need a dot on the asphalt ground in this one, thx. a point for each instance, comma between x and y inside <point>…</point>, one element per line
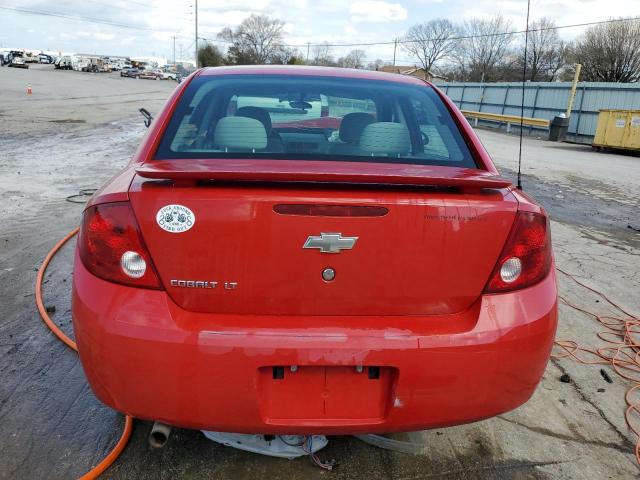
<point>76,130</point>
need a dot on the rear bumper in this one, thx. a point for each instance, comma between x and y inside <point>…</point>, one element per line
<point>146,357</point>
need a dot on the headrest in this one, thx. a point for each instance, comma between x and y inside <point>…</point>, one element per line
<point>240,133</point>
<point>386,138</point>
<point>258,113</point>
<point>352,125</point>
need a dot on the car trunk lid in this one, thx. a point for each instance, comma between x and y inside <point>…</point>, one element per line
<point>417,250</point>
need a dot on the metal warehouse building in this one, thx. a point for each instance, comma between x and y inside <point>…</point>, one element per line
<point>546,100</point>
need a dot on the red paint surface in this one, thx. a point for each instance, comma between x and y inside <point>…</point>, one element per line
<point>320,171</point>
<point>431,254</point>
<point>145,356</point>
<point>407,299</point>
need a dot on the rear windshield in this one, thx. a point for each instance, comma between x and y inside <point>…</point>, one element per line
<point>313,118</point>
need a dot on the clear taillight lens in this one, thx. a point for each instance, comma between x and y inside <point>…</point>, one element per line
<point>511,270</point>
<point>526,257</point>
<point>133,264</point>
<point>111,246</point>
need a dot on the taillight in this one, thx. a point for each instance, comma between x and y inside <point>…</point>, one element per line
<point>112,248</point>
<point>526,257</point>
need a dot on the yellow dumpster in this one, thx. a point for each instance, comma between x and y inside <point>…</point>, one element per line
<point>618,129</point>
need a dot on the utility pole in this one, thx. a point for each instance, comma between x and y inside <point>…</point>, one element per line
<point>174,50</point>
<point>395,46</point>
<point>308,45</point>
<point>196,33</point>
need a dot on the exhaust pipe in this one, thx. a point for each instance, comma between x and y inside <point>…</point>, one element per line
<point>159,435</point>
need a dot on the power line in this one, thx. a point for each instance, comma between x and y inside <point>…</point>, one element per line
<point>219,40</point>
<point>146,5</point>
<point>464,37</point>
<point>79,18</point>
<point>461,37</point>
<point>149,5</point>
<point>308,44</point>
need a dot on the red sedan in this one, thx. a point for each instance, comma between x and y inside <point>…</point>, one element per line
<point>298,250</point>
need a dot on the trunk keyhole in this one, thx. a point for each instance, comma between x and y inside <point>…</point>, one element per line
<point>328,274</point>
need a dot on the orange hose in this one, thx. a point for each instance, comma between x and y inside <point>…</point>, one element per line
<point>41,308</point>
<point>623,328</point>
<point>623,354</point>
<point>113,454</point>
<point>128,424</point>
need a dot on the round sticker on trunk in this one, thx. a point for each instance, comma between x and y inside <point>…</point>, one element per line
<point>175,218</point>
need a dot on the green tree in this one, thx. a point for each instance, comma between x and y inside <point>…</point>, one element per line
<point>210,56</point>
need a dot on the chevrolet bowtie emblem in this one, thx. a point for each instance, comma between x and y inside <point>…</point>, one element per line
<point>330,242</point>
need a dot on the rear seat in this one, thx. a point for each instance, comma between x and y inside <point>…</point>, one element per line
<point>240,134</point>
<point>385,138</point>
<point>274,142</point>
<point>351,128</point>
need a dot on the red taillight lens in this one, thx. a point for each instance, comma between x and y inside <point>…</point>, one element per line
<point>526,257</point>
<point>111,246</point>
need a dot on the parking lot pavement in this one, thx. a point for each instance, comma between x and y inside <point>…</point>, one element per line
<point>51,425</point>
<point>67,98</point>
<point>605,175</point>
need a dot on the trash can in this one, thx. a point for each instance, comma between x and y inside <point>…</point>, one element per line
<point>558,128</point>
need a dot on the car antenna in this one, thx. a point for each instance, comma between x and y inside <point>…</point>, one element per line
<point>524,80</point>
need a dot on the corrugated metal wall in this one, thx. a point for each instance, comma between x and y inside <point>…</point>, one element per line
<point>546,100</point>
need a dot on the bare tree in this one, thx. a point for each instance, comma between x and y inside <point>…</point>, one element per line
<point>430,41</point>
<point>610,52</point>
<point>376,64</point>
<point>542,40</point>
<point>288,56</point>
<point>257,40</point>
<point>354,59</point>
<point>485,48</point>
<point>557,61</point>
<point>321,55</point>
<point>546,53</point>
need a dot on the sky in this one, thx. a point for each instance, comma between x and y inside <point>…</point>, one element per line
<point>146,27</point>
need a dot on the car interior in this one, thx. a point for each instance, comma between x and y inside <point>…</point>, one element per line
<point>314,120</point>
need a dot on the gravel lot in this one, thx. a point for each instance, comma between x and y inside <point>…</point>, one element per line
<point>77,129</point>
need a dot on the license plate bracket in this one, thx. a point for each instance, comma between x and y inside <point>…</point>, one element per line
<point>325,392</point>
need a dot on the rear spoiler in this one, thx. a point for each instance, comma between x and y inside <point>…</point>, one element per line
<point>320,172</point>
